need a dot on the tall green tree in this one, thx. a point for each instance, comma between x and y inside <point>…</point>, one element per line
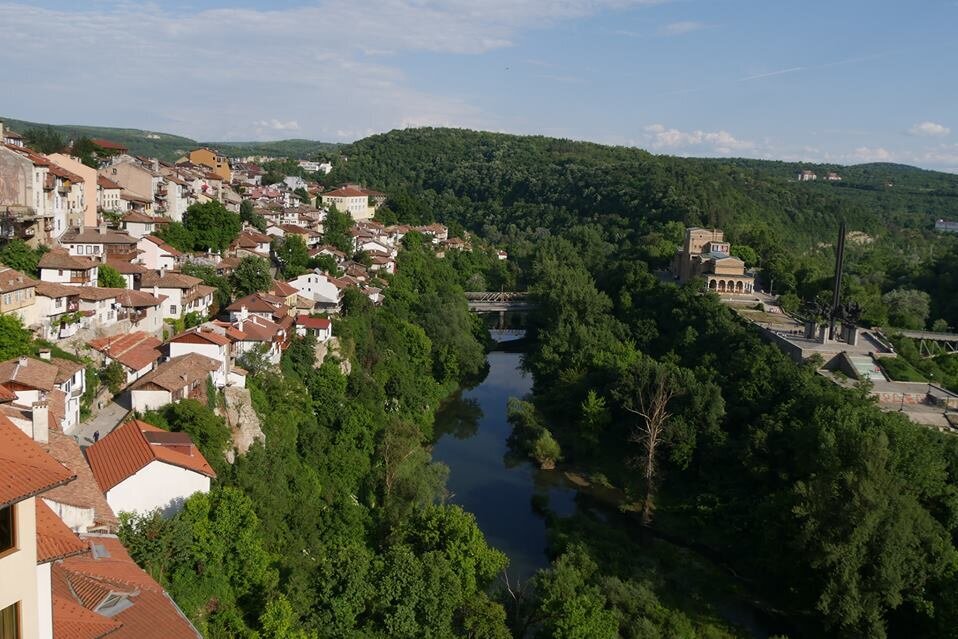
<point>250,276</point>
<point>292,254</point>
<point>211,225</point>
<point>109,277</point>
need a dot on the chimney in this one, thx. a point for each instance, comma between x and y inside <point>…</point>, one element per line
<point>162,271</point>
<point>243,314</point>
<point>102,228</point>
<point>41,422</point>
<point>24,360</point>
<point>45,354</point>
<point>156,291</point>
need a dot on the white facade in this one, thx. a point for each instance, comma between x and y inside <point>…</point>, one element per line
<point>317,287</point>
<point>156,485</point>
<point>44,602</point>
<point>153,256</point>
<point>220,353</point>
<point>144,400</point>
<point>69,277</point>
<point>104,311</point>
<point>19,569</point>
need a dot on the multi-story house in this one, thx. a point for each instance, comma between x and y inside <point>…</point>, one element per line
<point>57,310</point>
<point>60,267</point>
<point>81,213</point>
<point>108,195</point>
<point>135,179</point>
<point>100,243</point>
<point>216,162</point>
<point>352,200</point>
<point>25,210</point>
<point>17,294</point>
<point>184,293</point>
<point>58,381</point>
<point>156,254</point>
<point>25,595</point>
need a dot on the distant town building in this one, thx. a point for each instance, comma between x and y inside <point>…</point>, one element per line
<point>944,226</point>
<point>833,177</point>
<point>706,254</point>
<point>216,162</point>
<point>807,176</point>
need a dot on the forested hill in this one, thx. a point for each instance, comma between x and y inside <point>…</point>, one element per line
<point>169,147</point>
<point>489,179</point>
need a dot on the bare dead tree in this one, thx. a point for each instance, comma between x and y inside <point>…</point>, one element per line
<point>649,432</point>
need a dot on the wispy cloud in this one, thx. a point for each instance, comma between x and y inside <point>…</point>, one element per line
<point>660,137</point>
<point>929,129</point>
<point>681,28</point>
<point>770,74</point>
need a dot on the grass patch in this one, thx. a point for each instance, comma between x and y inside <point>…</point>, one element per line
<point>899,370</point>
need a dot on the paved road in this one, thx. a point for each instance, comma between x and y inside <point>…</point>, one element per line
<point>104,421</point>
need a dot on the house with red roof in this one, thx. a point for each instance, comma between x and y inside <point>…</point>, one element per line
<point>174,380</point>
<point>141,468</point>
<point>155,254</point>
<point>205,340</point>
<point>319,327</point>
<point>138,352</point>
<point>360,203</point>
<point>60,267</point>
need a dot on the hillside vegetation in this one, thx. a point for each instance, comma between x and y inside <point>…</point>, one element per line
<point>169,147</point>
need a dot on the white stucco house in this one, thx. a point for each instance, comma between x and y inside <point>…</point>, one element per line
<point>178,378</point>
<point>140,468</point>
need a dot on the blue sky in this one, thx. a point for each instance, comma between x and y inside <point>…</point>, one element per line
<point>841,81</point>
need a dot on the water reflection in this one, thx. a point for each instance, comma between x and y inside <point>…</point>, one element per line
<point>486,480</point>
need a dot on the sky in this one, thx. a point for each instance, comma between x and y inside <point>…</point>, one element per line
<point>845,81</point>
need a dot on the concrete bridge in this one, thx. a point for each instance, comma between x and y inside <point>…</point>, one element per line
<point>499,302</point>
<point>931,344</point>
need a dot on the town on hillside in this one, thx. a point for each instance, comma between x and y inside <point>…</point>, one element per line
<point>101,285</point>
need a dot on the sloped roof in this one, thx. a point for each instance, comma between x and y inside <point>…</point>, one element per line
<point>163,245</point>
<point>283,289</point>
<point>30,372</point>
<point>95,235</point>
<point>127,449</point>
<point>60,259</point>
<point>346,191</point>
<point>136,217</point>
<point>83,492</point>
<point>152,615</point>
<point>106,183</point>
<point>201,334</point>
<point>134,350</point>
<point>25,468</point>
<point>11,280</point>
<point>315,323</point>
<point>170,279</point>
<point>178,372</point>
<point>124,267</point>
<point>138,299</point>
<point>54,539</point>
<point>53,290</point>
<point>70,619</point>
<point>257,303</point>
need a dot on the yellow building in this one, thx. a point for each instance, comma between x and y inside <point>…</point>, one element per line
<point>217,163</point>
<point>706,254</point>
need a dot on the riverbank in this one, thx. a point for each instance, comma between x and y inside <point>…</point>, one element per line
<point>530,514</point>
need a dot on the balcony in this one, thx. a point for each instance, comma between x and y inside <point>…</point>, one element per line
<point>79,279</point>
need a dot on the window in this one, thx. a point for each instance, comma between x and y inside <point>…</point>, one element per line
<point>10,622</point>
<point>8,538</point>
<point>172,309</point>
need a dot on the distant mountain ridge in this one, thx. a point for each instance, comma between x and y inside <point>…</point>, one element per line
<point>169,147</point>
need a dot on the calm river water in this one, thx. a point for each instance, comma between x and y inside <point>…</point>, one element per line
<point>472,431</point>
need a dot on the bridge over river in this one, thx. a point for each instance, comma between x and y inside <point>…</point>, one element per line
<point>499,302</point>
<point>931,344</point>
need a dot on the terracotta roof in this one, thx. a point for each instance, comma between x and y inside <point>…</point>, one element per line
<point>60,259</point>
<point>110,570</point>
<point>315,323</point>
<point>11,280</point>
<point>170,374</point>
<point>346,191</point>
<point>65,368</point>
<point>126,268</point>
<point>29,372</point>
<point>6,395</point>
<point>54,539</point>
<point>201,290</point>
<point>70,619</point>
<point>204,334</point>
<point>109,145</point>
<point>283,289</point>
<point>94,235</point>
<point>130,447</point>
<point>96,293</point>
<point>170,279</point>
<point>138,299</point>
<point>59,171</point>
<point>106,183</point>
<point>53,290</point>
<point>84,491</point>
<point>25,468</point>
<point>163,245</point>
<point>134,350</point>
<point>137,217</point>
<point>257,303</point>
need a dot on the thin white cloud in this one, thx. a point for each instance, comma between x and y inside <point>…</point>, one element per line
<point>660,137</point>
<point>871,154</point>
<point>929,129</point>
<point>278,125</point>
<point>682,27</point>
<point>770,74</point>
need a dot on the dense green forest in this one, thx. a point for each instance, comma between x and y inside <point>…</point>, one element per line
<point>516,190</point>
<point>169,147</point>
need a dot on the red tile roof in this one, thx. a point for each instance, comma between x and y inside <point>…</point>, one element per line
<point>106,183</point>
<point>126,450</point>
<point>200,334</point>
<point>315,323</point>
<point>346,191</point>
<point>83,492</point>
<point>133,350</point>
<point>108,144</point>
<point>29,372</point>
<point>54,539</point>
<point>6,395</point>
<point>163,245</point>
<point>25,468</point>
<point>70,619</point>
<point>60,259</point>
<point>11,280</point>
<point>152,615</point>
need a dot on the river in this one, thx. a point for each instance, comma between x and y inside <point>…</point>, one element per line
<point>472,431</point>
